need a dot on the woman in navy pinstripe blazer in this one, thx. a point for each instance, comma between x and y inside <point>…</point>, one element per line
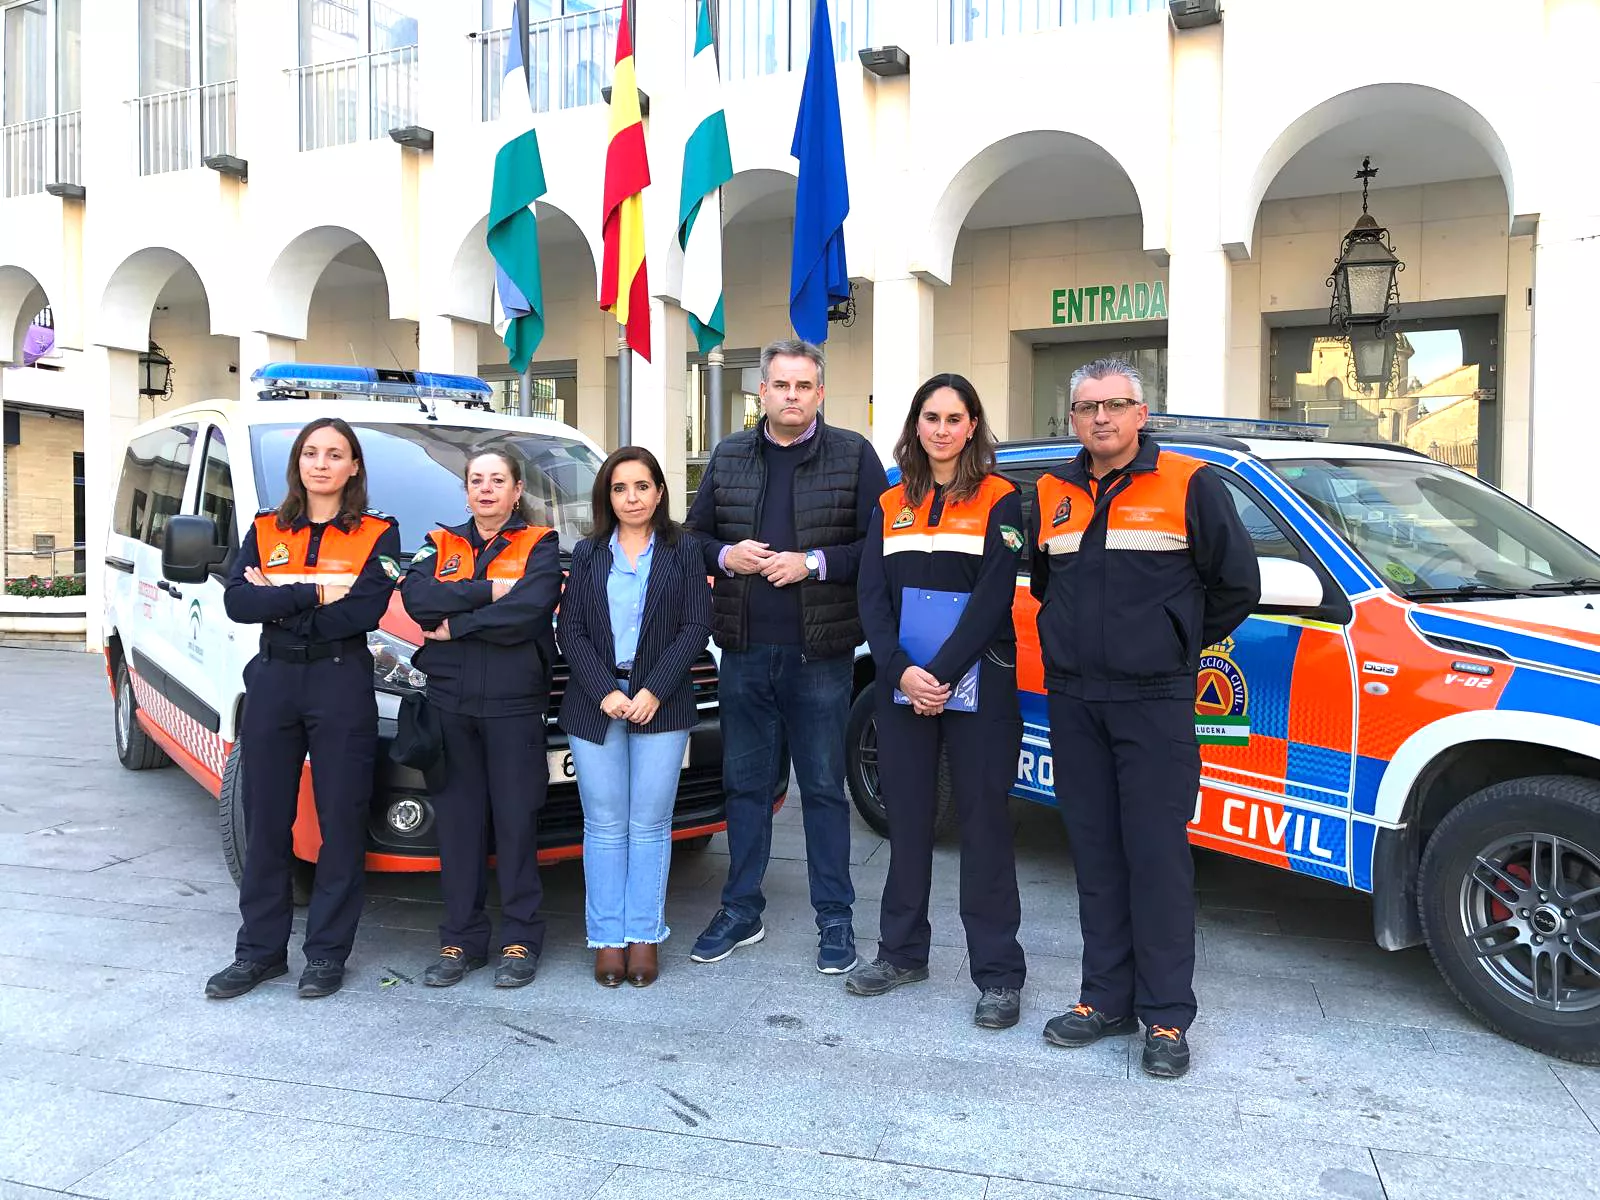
<point>635,615</point>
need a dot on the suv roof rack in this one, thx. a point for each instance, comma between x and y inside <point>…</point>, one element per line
<point>296,381</point>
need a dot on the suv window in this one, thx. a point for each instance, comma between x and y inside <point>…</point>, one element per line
<point>151,488</point>
<point>216,489</point>
<point>1270,539</point>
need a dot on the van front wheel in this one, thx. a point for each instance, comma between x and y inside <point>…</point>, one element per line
<point>1509,894</point>
<point>230,821</point>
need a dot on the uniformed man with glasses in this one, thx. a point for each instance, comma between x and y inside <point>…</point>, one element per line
<point>1140,561</point>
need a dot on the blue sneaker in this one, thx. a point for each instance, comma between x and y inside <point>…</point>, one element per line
<point>836,949</point>
<point>724,935</point>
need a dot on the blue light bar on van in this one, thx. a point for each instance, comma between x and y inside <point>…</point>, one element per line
<point>369,381</point>
<point>1236,427</point>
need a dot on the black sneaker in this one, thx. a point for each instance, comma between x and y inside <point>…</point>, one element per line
<point>1084,1025</point>
<point>998,1008</point>
<point>518,966</point>
<point>881,976</point>
<point>322,977</point>
<point>1166,1051</point>
<point>836,948</point>
<point>451,968</point>
<point>724,935</point>
<point>240,976</point>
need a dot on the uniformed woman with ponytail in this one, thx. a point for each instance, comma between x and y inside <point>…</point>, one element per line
<point>316,574</point>
<point>945,541</point>
<point>483,592</point>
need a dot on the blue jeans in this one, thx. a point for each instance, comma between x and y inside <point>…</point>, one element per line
<point>774,697</point>
<point>628,784</point>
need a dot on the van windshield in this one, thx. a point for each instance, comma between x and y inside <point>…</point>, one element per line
<point>414,474</point>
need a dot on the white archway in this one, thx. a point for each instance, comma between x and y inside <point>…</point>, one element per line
<point>469,287</point>
<point>21,296</point>
<point>285,304</point>
<point>130,296</point>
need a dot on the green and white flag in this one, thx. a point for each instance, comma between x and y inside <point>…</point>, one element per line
<point>707,165</point>
<point>513,232</point>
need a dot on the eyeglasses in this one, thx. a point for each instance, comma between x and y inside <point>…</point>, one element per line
<point>1115,406</point>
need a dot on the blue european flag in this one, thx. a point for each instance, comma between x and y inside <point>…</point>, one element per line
<point>817,275</point>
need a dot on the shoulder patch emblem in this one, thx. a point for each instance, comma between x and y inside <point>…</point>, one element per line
<point>381,515</point>
<point>451,566</point>
<point>1063,511</point>
<point>279,556</point>
<point>905,518</point>
<point>428,551</point>
<point>390,567</point>
<point>1012,537</point>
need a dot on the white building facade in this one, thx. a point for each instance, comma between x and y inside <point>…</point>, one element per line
<point>1051,181</point>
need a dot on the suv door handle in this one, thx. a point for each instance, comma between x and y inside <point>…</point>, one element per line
<point>170,589</point>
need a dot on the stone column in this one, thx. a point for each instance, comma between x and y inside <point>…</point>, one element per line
<point>447,344</point>
<point>660,396</point>
<point>902,354</point>
<point>256,350</point>
<point>113,374</point>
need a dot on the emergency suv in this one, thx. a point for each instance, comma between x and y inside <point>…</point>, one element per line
<point>1412,712</point>
<point>191,482</point>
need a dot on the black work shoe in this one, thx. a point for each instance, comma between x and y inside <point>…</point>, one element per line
<point>518,965</point>
<point>1084,1025</point>
<point>1166,1051</point>
<point>322,977</point>
<point>998,1008</point>
<point>239,976</point>
<point>881,976</point>
<point>451,968</point>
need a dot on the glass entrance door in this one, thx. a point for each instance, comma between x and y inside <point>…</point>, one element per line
<point>1053,367</point>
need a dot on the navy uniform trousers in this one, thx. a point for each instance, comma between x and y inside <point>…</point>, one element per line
<point>1127,773</point>
<point>325,706</point>
<point>491,765</point>
<point>982,749</point>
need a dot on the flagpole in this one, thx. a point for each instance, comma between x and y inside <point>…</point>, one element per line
<point>624,388</point>
<point>714,425</point>
<point>525,397</point>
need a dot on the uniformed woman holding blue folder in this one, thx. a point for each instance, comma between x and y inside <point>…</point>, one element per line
<point>937,579</point>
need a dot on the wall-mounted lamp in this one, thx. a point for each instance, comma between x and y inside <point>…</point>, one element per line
<point>885,61</point>
<point>1366,291</point>
<point>414,137</point>
<point>157,369</point>
<point>228,164</point>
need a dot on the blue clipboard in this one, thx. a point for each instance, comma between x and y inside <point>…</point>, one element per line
<point>927,620</point>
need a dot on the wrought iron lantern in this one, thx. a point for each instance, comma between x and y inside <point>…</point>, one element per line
<point>1366,290</point>
<point>157,369</point>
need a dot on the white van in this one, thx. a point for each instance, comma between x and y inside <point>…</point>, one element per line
<point>195,477</point>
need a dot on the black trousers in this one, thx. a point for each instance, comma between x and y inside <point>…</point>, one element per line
<point>328,708</point>
<point>491,765</point>
<point>1127,773</point>
<point>982,749</point>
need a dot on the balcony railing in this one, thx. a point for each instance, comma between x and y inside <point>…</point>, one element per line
<point>176,130</point>
<point>569,58</point>
<point>975,20</point>
<point>357,99</point>
<point>38,153</point>
<point>768,37</point>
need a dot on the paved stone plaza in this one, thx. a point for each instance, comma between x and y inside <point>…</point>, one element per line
<point>1324,1067</point>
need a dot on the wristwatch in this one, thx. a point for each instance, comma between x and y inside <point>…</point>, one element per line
<point>813,563</point>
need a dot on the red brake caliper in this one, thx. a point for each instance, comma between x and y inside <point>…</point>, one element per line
<point>1497,910</point>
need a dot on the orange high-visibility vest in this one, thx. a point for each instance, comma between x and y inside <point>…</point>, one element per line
<point>455,559</point>
<point>340,556</point>
<point>1149,512</point>
<point>961,528</point>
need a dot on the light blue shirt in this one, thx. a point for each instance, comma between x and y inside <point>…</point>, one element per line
<point>625,589</point>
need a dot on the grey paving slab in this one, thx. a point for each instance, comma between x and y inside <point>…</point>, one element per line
<point>630,1182</point>
<point>1583,1084</point>
<point>47,1020</point>
<point>1424,1177</point>
<point>1018,1189</point>
<point>1426,1003</point>
<point>1135,1156</point>
<point>213,1155</point>
<point>177,892</point>
<point>199,945</point>
<point>43,1130</point>
<point>21,1191</point>
<point>1317,959</point>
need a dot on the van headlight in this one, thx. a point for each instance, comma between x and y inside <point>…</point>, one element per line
<point>391,664</point>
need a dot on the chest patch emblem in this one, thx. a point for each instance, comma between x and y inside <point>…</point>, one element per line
<point>1063,511</point>
<point>279,556</point>
<point>452,565</point>
<point>905,519</point>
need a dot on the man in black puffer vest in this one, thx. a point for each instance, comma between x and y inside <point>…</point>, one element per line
<point>783,509</point>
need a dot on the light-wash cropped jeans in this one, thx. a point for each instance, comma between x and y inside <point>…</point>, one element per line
<point>628,785</point>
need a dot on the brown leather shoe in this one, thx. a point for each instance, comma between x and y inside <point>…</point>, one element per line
<point>609,966</point>
<point>644,963</point>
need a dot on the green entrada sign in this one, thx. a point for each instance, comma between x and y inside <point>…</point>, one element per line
<point>1109,302</point>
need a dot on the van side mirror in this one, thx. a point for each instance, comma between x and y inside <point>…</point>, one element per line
<point>1287,586</point>
<point>189,549</point>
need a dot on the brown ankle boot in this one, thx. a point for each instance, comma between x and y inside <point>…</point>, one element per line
<point>644,963</point>
<point>609,966</point>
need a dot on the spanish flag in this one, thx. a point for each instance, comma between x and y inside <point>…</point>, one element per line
<point>624,287</point>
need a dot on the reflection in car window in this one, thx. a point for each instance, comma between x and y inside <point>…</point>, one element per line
<point>414,474</point>
<point>1269,539</point>
<point>1426,528</point>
